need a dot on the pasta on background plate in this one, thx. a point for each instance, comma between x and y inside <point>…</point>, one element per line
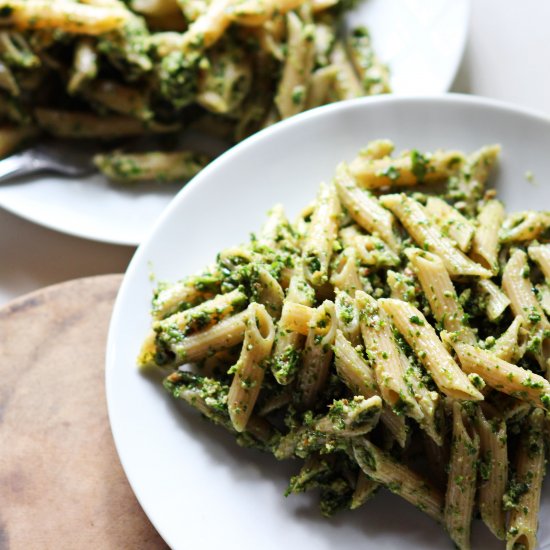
<point>169,71</point>
<point>395,335</point>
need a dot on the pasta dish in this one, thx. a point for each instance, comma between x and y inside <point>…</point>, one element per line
<point>112,70</point>
<point>395,335</point>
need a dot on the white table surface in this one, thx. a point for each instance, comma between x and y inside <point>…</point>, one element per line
<point>506,58</point>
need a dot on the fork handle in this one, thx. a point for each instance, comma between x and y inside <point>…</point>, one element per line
<point>18,165</point>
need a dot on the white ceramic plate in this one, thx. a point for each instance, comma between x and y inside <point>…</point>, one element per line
<point>421,40</point>
<point>198,488</point>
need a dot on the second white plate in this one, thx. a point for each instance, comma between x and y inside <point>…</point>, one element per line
<point>421,40</point>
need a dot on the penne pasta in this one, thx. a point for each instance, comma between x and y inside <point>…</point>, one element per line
<point>452,223</point>
<point>292,90</point>
<point>384,356</point>
<point>493,470</point>
<point>496,301</point>
<point>317,247</point>
<point>440,292</point>
<point>64,15</point>
<point>250,368</point>
<point>461,484</point>
<point>364,208</point>
<point>428,237</point>
<point>517,286</point>
<point>408,169</point>
<point>503,376</point>
<point>387,471</point>
<point>422,338</point>
<point>486,244</point>
<point>317,353</point>
<point>391,352</point>
<point>530,467</point>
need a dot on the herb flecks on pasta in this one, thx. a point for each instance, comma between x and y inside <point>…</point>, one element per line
<point>394,336</point>
<point>114,70</point>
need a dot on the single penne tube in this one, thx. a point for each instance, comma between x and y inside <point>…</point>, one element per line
<point>377,149</point>
<point>451,222</point>
<point>85,65</point>
<point>318,247</point>
<point>540,253</point>
<point>352,368</point>
<point>411,168</point>
<point>440,292</point>
<point>398,478</point>
<point>511,345</point>
<point>276,231</point>
<point>345,276</point>
<point>203,316</point>
<point>461,484</point>
<point>291,93</point>
<point>320,85</point>
<point>150,166</point>
<point>227,333</point>
<point>530,468</point>
<point>289,343</point>
<point>486,243</point>
<point>524,226</point>
<point>470,181</point>
<point>429,237</point>
<point>384,356</point>
<point>365,489</point>
<point>351,417</point>
<point>267,291</point>
<point>250,369</point>
<point>169,298</point>
<point>346,85</point>
<point>518,287</point>
<point>365,208</point>
<point>63,15</point>
<point>429,349</point>
<point>428,401</point>
<point>496,300</point>
<point>118,98</point>
<point>348,317</point>
<point>503,376</point>
<point>493,470</point>
<point>317,354</point>
<point>77,124</point>
<point>359,377</point>
<point>373,75</point>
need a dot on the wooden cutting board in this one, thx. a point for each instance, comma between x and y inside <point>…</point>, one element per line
<point>61,483</point>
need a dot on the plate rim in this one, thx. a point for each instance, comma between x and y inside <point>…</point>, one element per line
<point>453,99</point>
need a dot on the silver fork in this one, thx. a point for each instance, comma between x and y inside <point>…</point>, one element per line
<point>59,157</point>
